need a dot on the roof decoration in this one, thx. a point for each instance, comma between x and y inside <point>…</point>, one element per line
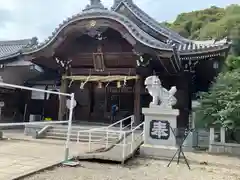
<point>94,4</point>
<point>117,3</point>
<point>10,49</point>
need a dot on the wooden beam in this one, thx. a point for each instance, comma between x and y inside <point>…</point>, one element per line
<point>62,99</point>
<point>100,78</point>
<point>137,105</point>
<point>107,71</point>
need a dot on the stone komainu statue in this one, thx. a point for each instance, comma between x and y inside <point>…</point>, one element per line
<point>162,98</point>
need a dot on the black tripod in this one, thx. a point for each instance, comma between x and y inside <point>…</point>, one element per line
<point>181,134</point>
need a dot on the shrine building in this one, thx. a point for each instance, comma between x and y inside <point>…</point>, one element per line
<point>103,56</point>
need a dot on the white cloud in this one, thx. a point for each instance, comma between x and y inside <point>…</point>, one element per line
<point>39,17</point>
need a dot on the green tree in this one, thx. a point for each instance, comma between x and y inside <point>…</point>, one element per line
<point>210,23</point>
<point>233,60</point>
<point>221,105</point>
<point>235,36</point>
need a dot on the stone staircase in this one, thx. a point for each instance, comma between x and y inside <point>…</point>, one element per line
<point>115,142</point>
<point>59,132</point>
<point>120,151</point>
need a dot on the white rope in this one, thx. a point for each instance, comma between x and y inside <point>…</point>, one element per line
<point>32,89</point>
<point>31,123</point>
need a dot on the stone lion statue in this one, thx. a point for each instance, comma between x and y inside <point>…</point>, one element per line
<point>161,96</point>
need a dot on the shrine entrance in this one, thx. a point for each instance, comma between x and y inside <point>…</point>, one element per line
<point>96,97</point>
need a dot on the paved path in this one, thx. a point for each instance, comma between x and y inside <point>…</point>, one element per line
<point>142,169</point>
<point>21,157</point>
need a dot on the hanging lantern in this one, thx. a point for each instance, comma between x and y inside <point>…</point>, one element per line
<point>118,84</point>
<point>99,85</point>
<point>215,64</point>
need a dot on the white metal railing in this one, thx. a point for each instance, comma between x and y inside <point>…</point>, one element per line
<point>119,123</point>
<point>127,138</point>
<point>32,123</point>
<point>71,107</point>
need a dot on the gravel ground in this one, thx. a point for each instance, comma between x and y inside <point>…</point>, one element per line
<point>141,169</point>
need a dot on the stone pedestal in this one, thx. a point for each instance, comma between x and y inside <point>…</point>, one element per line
<point>158,124</point>
<point>158,136</point>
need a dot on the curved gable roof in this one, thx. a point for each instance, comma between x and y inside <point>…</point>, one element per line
<point>152,23</point>
<point>90,13</point>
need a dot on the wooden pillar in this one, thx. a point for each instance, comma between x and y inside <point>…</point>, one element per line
<point>44,103</point>
<point>62,100</point>
<point>183,99</point>
<point>28,98</point>
<point>137,105</point>
<point>190,91</point>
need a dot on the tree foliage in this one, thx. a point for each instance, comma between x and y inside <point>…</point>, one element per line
<point>210,23</point>
<point>221,105</point>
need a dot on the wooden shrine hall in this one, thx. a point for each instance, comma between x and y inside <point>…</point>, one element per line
<point>103,56</point>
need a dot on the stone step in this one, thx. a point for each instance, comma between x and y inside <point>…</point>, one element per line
<point>82,139</point>
<point>64,131</point>
<point>60,132</point>
<point>81,136</point>
<point>84,128</point>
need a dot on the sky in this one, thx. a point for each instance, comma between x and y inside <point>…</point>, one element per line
<point>20,19</point>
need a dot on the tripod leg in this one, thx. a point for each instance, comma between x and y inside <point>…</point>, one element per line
<point>185,160</point>
<point>179,154</point>
<point>173,158</point>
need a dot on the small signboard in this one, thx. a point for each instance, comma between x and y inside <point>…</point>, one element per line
<point>159,129</point>
<point>69,103</point>
<point>2,103</point>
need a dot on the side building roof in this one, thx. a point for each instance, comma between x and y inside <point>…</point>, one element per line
<point>11,49</point>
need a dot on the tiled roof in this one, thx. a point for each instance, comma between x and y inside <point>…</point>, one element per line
<point>9,49</point>
<point>149,21</point>
<point>90,13</point>
<point>199,46</point>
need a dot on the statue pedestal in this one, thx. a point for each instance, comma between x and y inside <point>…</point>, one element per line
<point>158,136</point>
<point>157,126</point>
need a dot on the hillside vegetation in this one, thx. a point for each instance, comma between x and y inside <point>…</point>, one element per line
<point>210,23</point>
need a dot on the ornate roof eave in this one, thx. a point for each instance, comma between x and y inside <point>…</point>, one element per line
<point>207,50</point>
<point>133,29</point>
<point>150,22</point>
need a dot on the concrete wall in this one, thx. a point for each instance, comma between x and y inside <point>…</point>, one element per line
<point>222,146</point>
<point>228,148</point>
